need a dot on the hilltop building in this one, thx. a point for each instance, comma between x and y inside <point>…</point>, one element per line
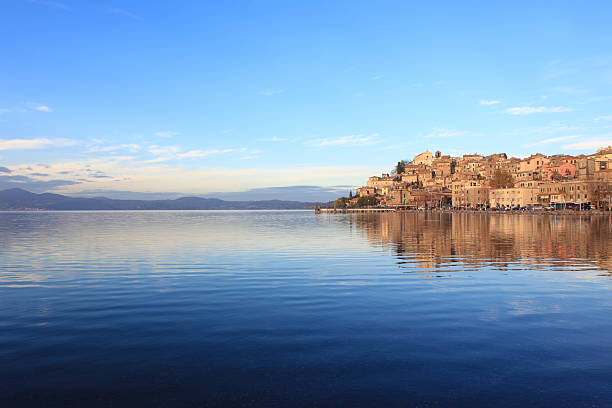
<point>474,180</point>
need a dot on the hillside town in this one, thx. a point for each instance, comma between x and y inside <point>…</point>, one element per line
<point>474,181</point>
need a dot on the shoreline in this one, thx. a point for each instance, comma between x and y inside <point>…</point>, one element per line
<point>461,211</point>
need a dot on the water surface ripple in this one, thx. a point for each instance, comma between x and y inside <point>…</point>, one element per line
<point>286,308</point>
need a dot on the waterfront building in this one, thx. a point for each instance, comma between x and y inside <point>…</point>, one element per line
<point>469,193</point>
<point>512,197</point>
<point>433,179</point>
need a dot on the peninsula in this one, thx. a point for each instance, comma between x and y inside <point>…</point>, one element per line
<point>474,181</point>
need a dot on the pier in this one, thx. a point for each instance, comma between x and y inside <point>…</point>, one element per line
<point>319,210</point>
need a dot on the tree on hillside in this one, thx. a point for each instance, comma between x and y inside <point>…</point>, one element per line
<point>367,201</point>
<point>399,167</point>
<point>502,179</point>
<point>340,202</point>
<point>350,194</point>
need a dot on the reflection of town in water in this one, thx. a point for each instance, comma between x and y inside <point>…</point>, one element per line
<point>429,241</point>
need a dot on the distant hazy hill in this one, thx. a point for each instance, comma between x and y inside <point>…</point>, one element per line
<point>18,199</point>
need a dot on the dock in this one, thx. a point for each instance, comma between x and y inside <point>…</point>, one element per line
<point>352,210</point>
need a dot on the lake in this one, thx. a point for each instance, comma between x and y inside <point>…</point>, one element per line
<point>289,308</point>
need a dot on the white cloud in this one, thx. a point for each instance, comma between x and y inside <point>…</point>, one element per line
<point>441,132</point>
<point>166,133</point>
<point>166,153</point>
<point>140,176</point>
<point>163,150</point>
<point>592,144</point>
<point>40,143</point>
<point>202,153</point>
<point>555,140</point>
<point>43,108</point>
<point>129,146</point>
<point>603,117</point>
<point>489,102</point>
<point>528,110</point>
<point>353,140</point>
<point>271,91</point>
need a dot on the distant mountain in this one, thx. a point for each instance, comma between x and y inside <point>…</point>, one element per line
<point>18,199</point>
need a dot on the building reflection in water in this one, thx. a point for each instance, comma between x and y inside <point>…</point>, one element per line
<point>430,242</point>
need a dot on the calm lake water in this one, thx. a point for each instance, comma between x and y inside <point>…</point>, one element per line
<point>281,308</point>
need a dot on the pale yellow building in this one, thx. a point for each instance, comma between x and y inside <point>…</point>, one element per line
<point>511,197</point>
<point>469,193</point>
<point>568,192</point>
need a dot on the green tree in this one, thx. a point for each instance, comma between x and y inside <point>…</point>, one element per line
<point>367,201</point>
<point>340,202</point>
<point>350,194</point>
<point>400,167</point>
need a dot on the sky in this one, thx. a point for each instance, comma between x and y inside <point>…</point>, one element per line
<point>217,98</point>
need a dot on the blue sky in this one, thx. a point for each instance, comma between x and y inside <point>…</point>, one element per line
<point>203,97</point>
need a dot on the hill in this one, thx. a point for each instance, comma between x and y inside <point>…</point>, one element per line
<point>19,199</point>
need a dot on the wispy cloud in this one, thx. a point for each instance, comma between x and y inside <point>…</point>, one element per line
<point>376,77</point>
<point>442,132</point>
<point>352,140</point>
<point>165,153</point>
<point>529,110</point>
<point>40,143</point>
<point>604,117</point>
<point>554,140</point>
<point>49,3</point>
<point>271,91</point>
<point>250,153</point>
<point>490,102</point>
<point>166,133</point>
<point>132,147</point>
<point>124,13</point>
<point>4,170</point>
<point>163,150</point>
<point>43,108</point>
<point>591,144</point>
<point>202,153</point>
<point>164,177</point>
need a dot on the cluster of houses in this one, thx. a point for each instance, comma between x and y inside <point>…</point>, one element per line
<point>473,181</point>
